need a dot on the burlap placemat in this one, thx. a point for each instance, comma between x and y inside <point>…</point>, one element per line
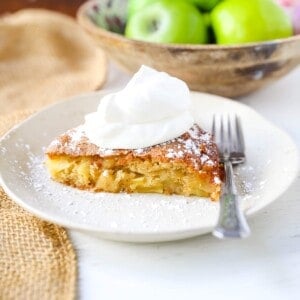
<point>44,57</point>
<point>37,260</point>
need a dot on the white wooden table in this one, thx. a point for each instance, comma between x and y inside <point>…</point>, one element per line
<point>264,266</point>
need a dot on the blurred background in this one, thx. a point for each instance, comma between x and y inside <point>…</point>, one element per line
<point>68,7</point>
<point>230,72</point>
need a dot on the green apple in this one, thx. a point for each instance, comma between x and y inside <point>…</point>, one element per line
<point>205,5</point>
<point>167,21</point>
<point>244,21</point>
<point>135,5</point>
<point>207,19</point>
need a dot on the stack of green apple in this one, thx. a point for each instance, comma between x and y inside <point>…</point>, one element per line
<point>206,21</point>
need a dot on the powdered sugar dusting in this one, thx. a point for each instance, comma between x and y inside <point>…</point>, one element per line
<point>76,135</point>
<point>171,153</point>
<point>136,212</point>
<point>139,151</point>
<point>113,212</point>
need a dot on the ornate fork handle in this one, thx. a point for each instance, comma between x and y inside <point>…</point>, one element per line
<point>232,222</point>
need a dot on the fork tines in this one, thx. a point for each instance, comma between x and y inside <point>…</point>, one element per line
<point>228,135</point>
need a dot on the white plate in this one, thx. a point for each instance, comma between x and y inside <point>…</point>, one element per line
<point>271,167</point>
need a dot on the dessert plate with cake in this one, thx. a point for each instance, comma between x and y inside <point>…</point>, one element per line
<point>139,164</point>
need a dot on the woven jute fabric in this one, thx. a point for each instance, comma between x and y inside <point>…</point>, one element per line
<point>37,260</point>
<point>44,57</point>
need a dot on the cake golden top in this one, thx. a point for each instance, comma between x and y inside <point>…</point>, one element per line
<point>195,147</point>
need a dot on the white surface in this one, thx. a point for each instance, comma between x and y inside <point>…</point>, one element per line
<point>264,266</point>
<point>140,217</point>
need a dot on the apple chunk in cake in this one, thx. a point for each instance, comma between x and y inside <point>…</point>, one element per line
<point>187,165</point>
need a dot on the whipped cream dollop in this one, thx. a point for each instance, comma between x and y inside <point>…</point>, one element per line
<point>153,108</point>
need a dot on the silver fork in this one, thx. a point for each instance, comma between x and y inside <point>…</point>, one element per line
<point>228,135</point>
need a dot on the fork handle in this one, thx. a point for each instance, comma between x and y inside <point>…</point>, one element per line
<point>232,222</point>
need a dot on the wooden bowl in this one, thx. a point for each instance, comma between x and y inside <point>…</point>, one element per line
<point>229,71</point>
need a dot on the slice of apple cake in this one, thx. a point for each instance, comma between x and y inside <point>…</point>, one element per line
<point>187,165</point>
